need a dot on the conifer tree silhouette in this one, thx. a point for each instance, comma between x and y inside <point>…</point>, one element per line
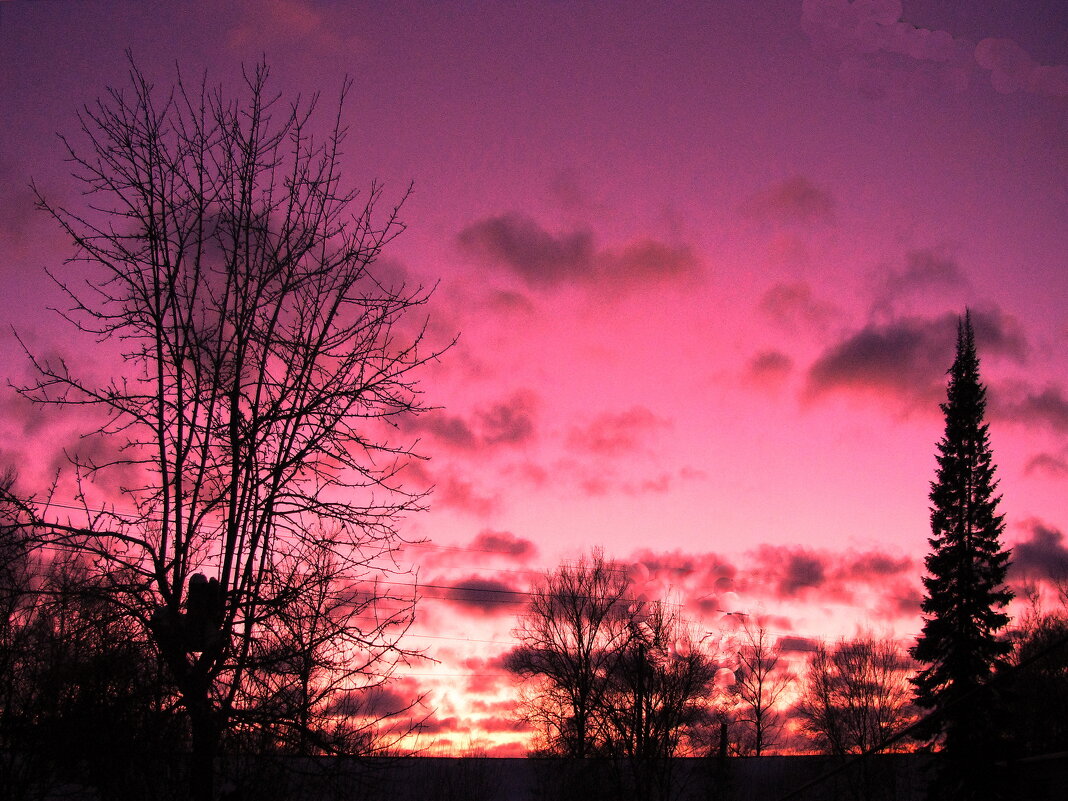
<point>966,595</point>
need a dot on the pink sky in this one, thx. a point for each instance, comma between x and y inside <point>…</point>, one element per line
<point>705,261</point>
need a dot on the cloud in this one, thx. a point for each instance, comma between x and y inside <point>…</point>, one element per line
<point>540,258</point>
<point>508,422</point>
<point>1013,70</point>
<point>487,596</point>
<point>879,52</point>
<point>455,493</point>
<point>544,260</point>
<point>793,306</point>
<point>927,272</point>
<point>873,566</point>
<point>290,22</point>
<point>791,572</point>
<point>1054,465</point>
<point>907,358</point>
<point>769,368</point>
<point>797,645</point>
<point>795,200</point>
<point>1043,555</point>
<point>615,434</point>
<point>1048,406</point>
<point>449,429</point>
<point>511,421</point>
<point>504,542</point>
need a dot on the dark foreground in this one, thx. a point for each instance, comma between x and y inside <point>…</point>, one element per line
<point>890,777</point>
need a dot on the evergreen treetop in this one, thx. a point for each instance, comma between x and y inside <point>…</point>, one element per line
<point>966,595</point>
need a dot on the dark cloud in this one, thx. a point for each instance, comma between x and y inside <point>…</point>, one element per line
<point>504,542</point>
<point>379,702</point>
<point>1046,407</point>
<point>1043,555</point>
<point>792,571</point>
<point>793,306</point>
<point>509,422</point>
<point>873,566</point>
<point>545,260</point>
<point>539,257</point>
<point>908,357</point>
<point>615,434</point>
<point>488,596</point>
<point>798,645</point>
<point>929,269</point>
<point>927,272</point>
<point>648,259</point>
<point>449,429</point>
<point>795,200</point>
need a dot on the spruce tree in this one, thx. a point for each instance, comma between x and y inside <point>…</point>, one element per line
<point>966,595</point>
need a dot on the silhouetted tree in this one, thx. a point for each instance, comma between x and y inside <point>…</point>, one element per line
<point>760,685</point>
<point>263,357</point>
<point>856,694</point>
<point>1037,691</point>
<point>959,645</point>
<point>571,638</point>
<point>660,694</point>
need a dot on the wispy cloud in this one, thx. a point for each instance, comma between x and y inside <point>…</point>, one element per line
<point>614,434</point>
<point>794,200</point>
<point>1012,69</point>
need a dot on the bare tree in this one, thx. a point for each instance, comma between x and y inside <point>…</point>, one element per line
<point>1037,687</point>
<point>760,685</point>
<point>263,356</point>
<point>570,640</point>
<point>856,694</point>
<point>660,693</point>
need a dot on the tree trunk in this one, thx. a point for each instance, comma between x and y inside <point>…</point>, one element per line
<point>205,734</point>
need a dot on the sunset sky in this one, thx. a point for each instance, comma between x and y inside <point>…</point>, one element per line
<point>705,261</point>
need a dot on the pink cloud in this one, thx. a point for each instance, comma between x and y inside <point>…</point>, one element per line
<point>615,434</point>
<point>1054,465</point>
<point>509,422</point>
<point>879,52</point>
<point>795,200</point>
<point>454,492</point>
<point>769,368</point>
<point>1013,70</point>
<point>927,272</point>
<point>794,306</point>
<point>290,22</point>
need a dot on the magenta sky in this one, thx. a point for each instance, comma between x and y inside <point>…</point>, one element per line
<point>705,261</point>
